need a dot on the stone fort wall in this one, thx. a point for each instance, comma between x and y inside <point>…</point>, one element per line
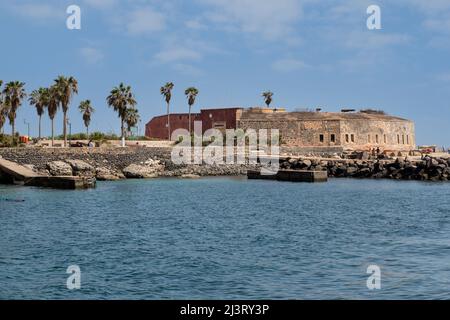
<point>354,134</point>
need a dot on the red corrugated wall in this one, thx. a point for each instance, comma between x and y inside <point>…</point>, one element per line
<point>219,115</point>
<point>157,127</point>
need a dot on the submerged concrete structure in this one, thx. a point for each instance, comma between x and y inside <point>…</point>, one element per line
<point>13,173</point>
<point>307,131</point>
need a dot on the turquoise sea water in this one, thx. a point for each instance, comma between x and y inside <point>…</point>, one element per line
<point>223,238</point>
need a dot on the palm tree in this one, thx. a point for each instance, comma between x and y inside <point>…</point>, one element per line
<point>132,118</point>
<point>39,99</point>
<point>3,109</point>
<point>14,93</point>
<point>67,87</point>
<point>191,94</point>
<point>3,113</point>
<point>267,98</point>
<point>166,91</point>
<point>52,106</point>
<point>121,99</point>
<point>87,110</point>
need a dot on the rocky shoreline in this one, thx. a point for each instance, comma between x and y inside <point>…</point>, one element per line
<point>108,164</point>
<point>425,169</point>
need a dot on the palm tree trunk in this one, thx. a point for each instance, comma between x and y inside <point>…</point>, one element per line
<point>190,121</point>
<point>87,132</point>
<point>53,133</point>
<point>122,138</point>
<point>168,120</point>
<point>13,129</point>
<point>40,118</point>
<point>65,129</point>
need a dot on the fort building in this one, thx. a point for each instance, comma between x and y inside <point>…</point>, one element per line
<point>306,130</point>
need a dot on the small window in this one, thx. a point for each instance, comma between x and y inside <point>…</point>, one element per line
<point>376,138</point>
<point>347,138</point>
<point>368,138</point>
<point>333,138</point>
<point>398,139</point>
<point>385,139</point>
<point>403,139</point>
<point>407,139</point>
<point>321,138</point>
<point>353,138</point>
<point>220,125</point>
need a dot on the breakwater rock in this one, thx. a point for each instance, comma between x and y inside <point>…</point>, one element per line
<point>425,169</point>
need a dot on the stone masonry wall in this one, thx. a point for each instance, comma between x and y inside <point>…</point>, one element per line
<point>355,134</point>
<point>300,133</point>
<point>386,135</point>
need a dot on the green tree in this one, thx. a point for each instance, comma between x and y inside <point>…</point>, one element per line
<point>191,94</point>
<point>52,107</point>
<point>87,110</point>
<point>166,91</point>
<point>121,99</point>
<point>39,99</point>
<point>268,98</point>
<point>132,118</point>
<point>3,109</point>
<point>67,87</point>
<point>14,93</point>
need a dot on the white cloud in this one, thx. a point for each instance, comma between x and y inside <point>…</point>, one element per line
<point>195,25</point>
<point>187,69</point>
<point>91,55</point>
<point>444,77</point>
<point>101,4</point>
<point>145,21</point>
<point>429,6</point>
<point>374,40</point>
<point>288,65</point>
<point>42,12</point>
<point>269,18</point>
<point>177,54</point>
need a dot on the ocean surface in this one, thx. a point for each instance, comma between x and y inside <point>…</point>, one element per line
<point>225,238</point>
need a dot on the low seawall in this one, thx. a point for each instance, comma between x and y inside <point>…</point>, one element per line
<point>113,163</point>
<point>140,162</point>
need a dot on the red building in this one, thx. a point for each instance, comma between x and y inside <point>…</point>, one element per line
<point>157,127</point>
<point>225,118</point>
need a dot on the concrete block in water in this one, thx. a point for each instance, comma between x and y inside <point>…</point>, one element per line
<point>291,175</point>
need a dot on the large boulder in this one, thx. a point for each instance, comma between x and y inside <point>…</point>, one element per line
<point>105,174</point>
<point>59,168</point>
<point>190,176</point>
<point>81,168</point>
<point>149,169</point>
<point>305,164</point>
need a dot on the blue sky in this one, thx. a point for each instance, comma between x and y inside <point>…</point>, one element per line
<point>309,53</point>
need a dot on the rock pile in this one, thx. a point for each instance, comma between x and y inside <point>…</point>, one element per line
<point>148,169</point>
<point>428,168</point>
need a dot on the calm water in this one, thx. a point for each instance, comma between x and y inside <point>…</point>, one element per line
<point>227,238</point>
